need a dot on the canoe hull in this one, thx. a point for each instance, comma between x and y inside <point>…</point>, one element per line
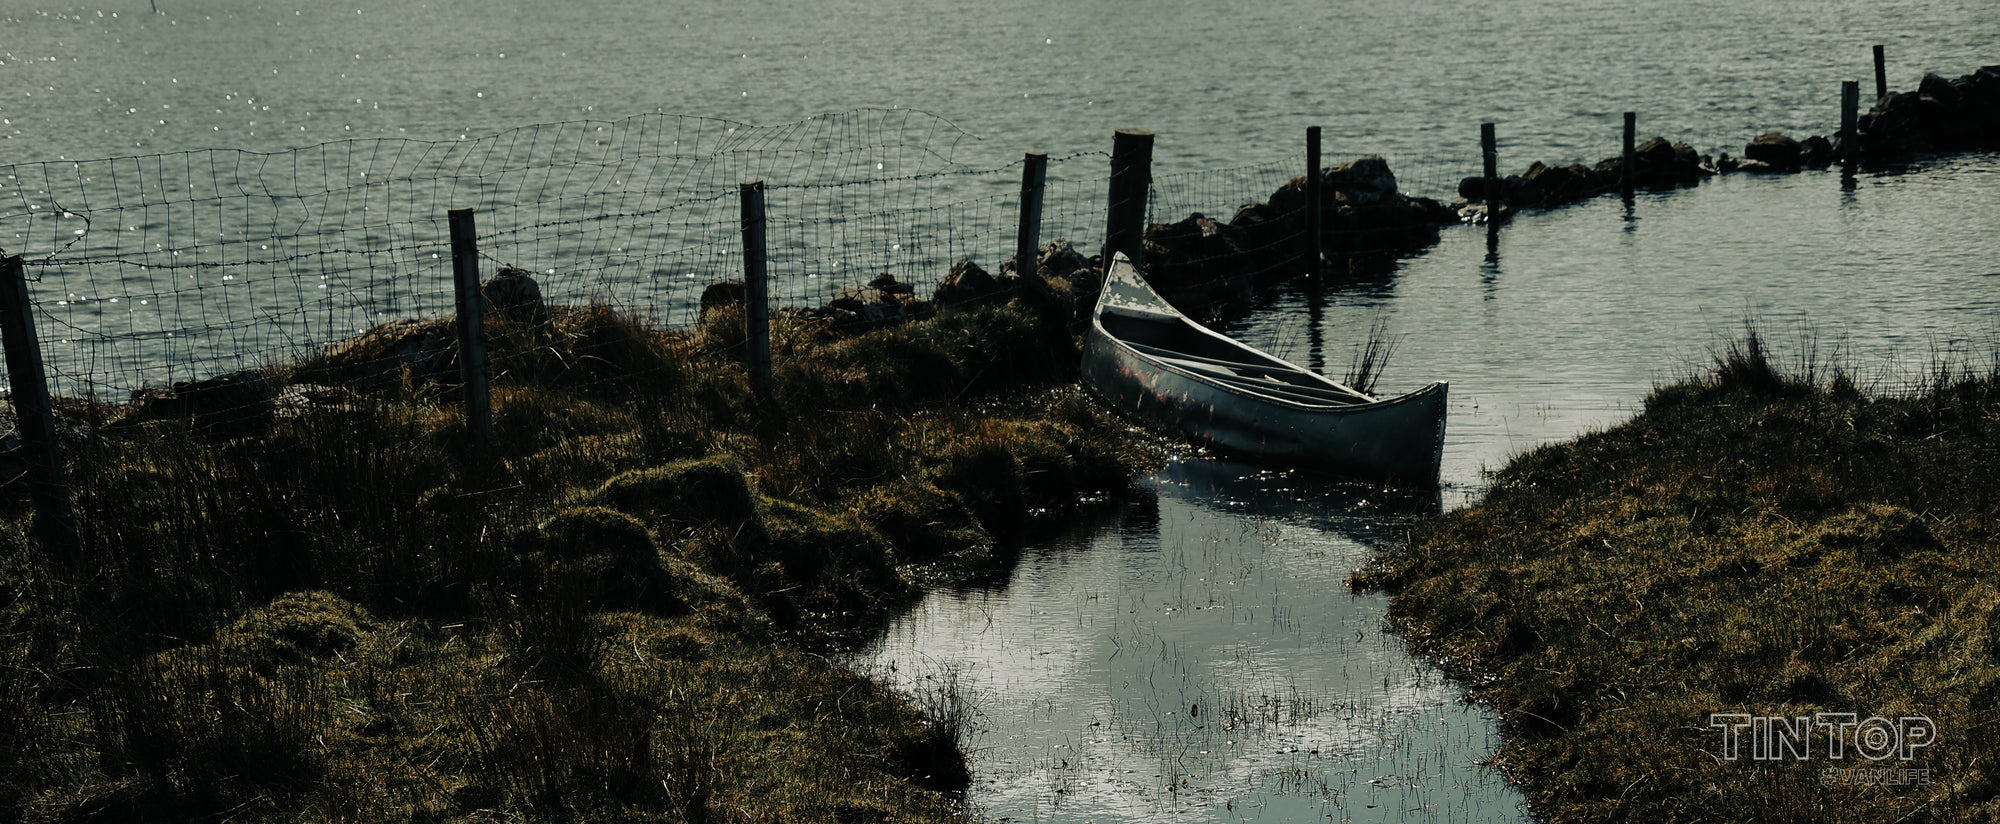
<point>1171,383</point>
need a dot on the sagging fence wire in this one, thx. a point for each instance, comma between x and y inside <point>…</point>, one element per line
<point>151,270</point>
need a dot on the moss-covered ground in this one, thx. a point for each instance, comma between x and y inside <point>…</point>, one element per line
<point>1758,543</point>
<point>624,608</point>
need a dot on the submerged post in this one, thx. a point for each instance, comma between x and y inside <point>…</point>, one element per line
<point>1629,176</point>
<point>756,295</point>
<point>1850,119</point>
<point>1028,242</point>
<point>478,398</point>
<point>1131,178</point>
<point>1489,146</point>
<point>1314,215</point>
<point>1881,75</point>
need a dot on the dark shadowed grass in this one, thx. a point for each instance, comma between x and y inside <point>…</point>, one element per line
<point>1757,541</point>
<point>615,611</point>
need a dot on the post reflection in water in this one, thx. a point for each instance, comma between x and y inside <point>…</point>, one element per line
<point>1202,660</point>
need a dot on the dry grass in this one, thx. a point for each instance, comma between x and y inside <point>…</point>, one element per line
<point>1755,542</point>
<point>611,613</point>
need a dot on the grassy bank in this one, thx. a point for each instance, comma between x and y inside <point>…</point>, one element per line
<point>335,606</point>
<point>1757,542</point>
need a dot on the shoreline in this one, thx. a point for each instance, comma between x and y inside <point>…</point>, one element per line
<point>1758,546</point>
<point>647,503</point>
<point>316,599</point>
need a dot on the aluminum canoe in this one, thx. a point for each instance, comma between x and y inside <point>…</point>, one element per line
<point>1146,359</point>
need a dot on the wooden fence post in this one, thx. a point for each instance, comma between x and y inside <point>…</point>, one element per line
<point>1850,120</point>
<point>1489,146</point>
<point>34,412</point>
<point>1629,177</point>
<point>1131,178</point>
<point>756,293</point>
<point>1881,76</point>
<point>1314,215</point>
<point>1028,241</point>
<point>478,398</point>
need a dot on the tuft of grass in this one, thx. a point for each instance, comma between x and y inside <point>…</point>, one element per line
<point>1756,541</point>
<point>1373,357</point>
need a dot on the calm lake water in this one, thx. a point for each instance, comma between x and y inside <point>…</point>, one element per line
<point>1196,657</point>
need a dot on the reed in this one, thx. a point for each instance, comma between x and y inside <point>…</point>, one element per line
<point>1373,357</point>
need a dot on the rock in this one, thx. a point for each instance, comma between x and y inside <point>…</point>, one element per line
<point>1816,152</point>
<point>1776,151</point>
<point>512,293</point>
<point>967,282</point>
<point>886,284</point>
<point>1060,259</point>
<point>882,300</point>
<point>1365,180</point>
<point>1562,184</point>
<point>1940,90</point>
<point>1656,153</point>
<point>416,351</point>
<point>1196,250</point>
<point>721,294</point>
<point>232,405</point>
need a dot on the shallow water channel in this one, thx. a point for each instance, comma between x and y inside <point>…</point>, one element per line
<point>1197,657</point>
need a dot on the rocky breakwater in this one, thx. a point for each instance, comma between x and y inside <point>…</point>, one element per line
<point>884,300</point>
<point>1940,116</point>
<point>1362,215</point>
<point>1656,164</point>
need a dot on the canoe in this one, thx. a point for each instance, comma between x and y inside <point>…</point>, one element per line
<point>1146,359</point>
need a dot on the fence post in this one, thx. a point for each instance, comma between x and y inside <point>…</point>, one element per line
<point>1314,214</point>
<point>1489,146</point>
<point>1881,76</point>
<point>1850,143</point>
<point>1631,171</point>
<point>1028,242</point>
<point>34,413</point>
<point>1131,177</point>
<point>756,294</point>
<point>471,326</point>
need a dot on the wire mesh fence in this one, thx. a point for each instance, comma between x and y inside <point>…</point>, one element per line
<point>156,269</point>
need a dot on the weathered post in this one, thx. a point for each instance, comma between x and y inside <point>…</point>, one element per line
<point>1028,242</point>
<point>34,413</point>
<point>1489,146</point>
<point>1881,75</point>
<point>1131,178</point>
<point>478,398</point>
<point>756,295</point>
<point>1314,215</point>
<point>1628,178</point>
<point>1850,120</point>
